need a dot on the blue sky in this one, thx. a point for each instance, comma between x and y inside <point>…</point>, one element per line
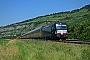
<point>12,11</point>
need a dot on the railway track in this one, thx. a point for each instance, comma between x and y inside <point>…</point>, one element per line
<point>66,41</point>
<point>71,41</point>
<point>76,42</point>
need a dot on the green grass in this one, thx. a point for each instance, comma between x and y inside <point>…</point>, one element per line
<point>42,50</point>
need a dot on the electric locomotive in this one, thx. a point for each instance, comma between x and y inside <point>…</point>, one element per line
<point>57,30</point>
<point>60,30</point>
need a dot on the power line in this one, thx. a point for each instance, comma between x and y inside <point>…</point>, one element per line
<point>50,6</point>
<point>71,4</point>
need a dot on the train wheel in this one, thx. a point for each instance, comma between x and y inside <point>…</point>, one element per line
<point>63,39</point>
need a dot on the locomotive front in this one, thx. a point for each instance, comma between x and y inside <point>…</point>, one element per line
<point>61,30</point>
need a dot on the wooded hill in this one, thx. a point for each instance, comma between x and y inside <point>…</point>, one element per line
<point>78,22</point>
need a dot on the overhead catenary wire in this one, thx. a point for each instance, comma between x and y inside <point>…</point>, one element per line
<point>70,4</point>
<point>66,2</point>
<point>62,5</point>
<point>50,6</point>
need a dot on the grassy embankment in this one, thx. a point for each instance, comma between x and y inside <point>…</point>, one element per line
<point>42,50</point>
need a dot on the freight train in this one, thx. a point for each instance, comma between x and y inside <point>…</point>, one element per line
<point>57,30</point>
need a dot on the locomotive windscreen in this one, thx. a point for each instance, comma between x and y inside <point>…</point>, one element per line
<point>61,26</point>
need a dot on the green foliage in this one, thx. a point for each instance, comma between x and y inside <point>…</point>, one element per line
<point>3,41</point>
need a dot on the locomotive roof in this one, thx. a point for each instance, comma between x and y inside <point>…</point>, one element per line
<point>32,30</point>
<point>63,23</point>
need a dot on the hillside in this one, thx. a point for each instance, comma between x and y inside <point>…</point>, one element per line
<point>78,22</point>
